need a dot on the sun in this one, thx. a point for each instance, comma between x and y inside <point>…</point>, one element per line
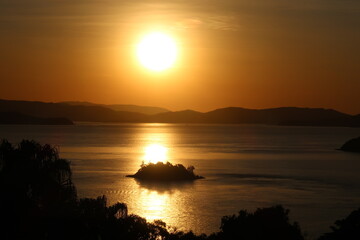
<point>155,153</point>
<point>157,51</point>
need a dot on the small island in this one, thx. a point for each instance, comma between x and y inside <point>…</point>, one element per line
<point>353,145</point>
<point>165,172</point>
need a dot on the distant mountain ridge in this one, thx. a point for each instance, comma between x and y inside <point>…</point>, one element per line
<point>73,112</point>
<point>284,116</point>
<point>123,107</point>
<point>19,118</point>
<point>290,116</point>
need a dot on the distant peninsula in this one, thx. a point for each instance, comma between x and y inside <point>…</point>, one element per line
<point>148,110</point>
<point>22,119</point>
<point>165,172</point>
<point>353,145</point>
<point>88,112</point>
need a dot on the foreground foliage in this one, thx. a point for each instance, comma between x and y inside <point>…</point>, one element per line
<point>264,223</point>
<point>348,228</point>
<point>39,201</point>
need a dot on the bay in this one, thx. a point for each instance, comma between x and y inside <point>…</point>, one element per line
<point>245,167</point>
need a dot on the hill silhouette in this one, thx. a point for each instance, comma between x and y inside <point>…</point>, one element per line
<point>292,116</point>
<point>122,107</point>
<point>284,116</point>
<point>186,116</point>
<point>74,113</point>
<point>18,118</point>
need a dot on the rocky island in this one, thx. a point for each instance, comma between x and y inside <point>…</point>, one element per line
<point>165,172</point>
<point>353,145</point>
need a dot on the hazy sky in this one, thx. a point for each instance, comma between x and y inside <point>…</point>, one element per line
<point>247,53</point>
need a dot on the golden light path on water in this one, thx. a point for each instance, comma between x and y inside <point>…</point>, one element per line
<point>155,204</point>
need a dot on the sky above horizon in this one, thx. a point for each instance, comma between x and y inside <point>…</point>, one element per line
<point>246,53</point>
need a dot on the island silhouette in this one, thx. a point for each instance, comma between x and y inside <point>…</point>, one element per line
<point>353,145</point>
<point>165,172</point>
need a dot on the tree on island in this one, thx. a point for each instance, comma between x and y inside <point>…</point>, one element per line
<point>165,172</point>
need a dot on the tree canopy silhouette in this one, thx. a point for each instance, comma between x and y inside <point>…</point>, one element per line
<point>265,223</point>
<point>165,172</point>
<point>348,228</point>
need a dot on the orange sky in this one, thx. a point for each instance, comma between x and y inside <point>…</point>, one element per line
<point>246,53</point>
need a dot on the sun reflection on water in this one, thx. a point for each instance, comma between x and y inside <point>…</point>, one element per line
<point>154,205</point>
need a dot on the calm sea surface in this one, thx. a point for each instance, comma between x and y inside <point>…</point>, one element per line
<point>246,167</point>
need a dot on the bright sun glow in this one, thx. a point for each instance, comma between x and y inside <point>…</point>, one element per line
<point>157,51</point>
<point>155,153</point>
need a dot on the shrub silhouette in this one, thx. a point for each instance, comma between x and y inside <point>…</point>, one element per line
<point>265,223</point>
<point>348,228</point>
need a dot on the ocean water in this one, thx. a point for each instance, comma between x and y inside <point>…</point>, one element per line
<point>245,167</point>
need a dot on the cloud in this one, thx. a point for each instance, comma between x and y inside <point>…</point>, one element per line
<point>189,23</point>
<point>215,22</point>
<point>223,22</point>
